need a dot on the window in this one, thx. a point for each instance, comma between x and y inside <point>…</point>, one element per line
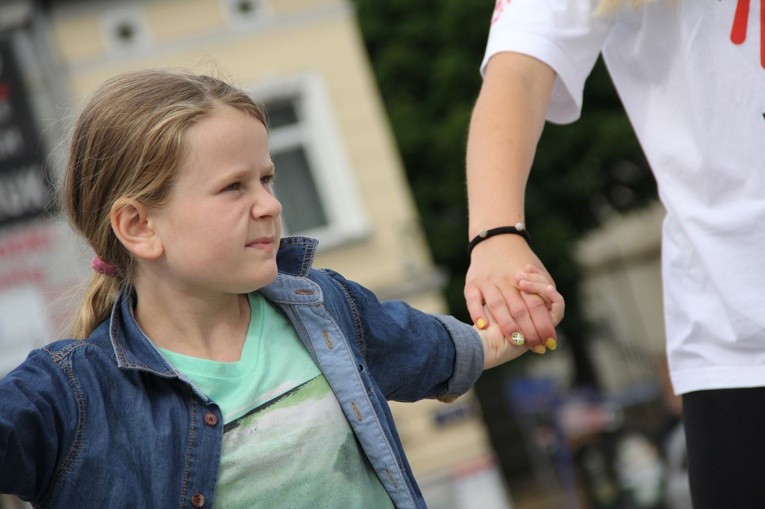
<point>245,12</point>
<point>125,28</point>
<point>314,181</point>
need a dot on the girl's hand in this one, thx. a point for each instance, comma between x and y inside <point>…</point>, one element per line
<point>533,281</point>
<point>496,348</point>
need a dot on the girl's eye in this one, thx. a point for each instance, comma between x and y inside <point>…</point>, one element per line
<point>234,186</point>
<point>268,180</point>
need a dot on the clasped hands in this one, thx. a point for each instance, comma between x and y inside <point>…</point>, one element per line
<point>512,301</point>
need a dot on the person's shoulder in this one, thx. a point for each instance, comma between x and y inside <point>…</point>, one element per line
<point>62,349</point>
<point>48,362</point>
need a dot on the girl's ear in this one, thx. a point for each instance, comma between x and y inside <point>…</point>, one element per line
<point>130,222</point>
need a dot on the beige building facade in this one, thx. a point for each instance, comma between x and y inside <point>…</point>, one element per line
<point>622,297</point>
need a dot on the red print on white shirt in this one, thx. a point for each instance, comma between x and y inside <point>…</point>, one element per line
<point>741,24</point>
<point>499,7</point>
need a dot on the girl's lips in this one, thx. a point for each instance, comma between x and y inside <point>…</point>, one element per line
<point>261,242</point>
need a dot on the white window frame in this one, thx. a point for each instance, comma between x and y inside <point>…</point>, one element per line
<point>317,132</point>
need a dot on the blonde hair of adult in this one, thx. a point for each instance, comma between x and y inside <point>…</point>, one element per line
<point>129,142</point>
<point>608,6</point>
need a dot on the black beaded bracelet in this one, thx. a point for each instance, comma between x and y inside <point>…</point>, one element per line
<point>518,229</point>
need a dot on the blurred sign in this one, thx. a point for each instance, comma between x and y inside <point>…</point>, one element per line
<point>23,324</point>
<point>25,190</point>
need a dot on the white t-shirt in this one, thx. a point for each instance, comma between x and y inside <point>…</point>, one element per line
<point>691,76</point>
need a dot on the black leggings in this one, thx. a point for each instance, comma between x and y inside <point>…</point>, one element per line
<point>725,436</point>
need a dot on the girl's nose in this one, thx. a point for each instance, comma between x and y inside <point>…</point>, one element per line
<point>266,204</point>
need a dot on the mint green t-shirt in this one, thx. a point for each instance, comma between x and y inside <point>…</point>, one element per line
<point>286,441</point>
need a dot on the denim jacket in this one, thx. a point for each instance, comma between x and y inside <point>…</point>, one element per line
<point>107,422</point>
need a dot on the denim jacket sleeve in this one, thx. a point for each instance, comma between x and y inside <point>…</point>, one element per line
<point>35,407</point>
<point>410,354</point>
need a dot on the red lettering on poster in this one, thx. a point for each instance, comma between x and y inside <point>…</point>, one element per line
<point>25,242</point>
<point>34,275</point>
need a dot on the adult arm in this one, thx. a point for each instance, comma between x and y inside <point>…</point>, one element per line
<point>505,128</point>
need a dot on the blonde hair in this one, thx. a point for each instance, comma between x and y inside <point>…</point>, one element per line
<point>608,6</point>
<point>129,142</point>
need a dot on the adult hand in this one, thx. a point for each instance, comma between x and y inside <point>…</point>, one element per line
<point>493,281</point>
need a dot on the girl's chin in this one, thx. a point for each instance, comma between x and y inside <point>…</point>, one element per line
<point>264,280</point>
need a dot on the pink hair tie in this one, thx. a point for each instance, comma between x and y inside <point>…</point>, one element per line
<point>105,268</point>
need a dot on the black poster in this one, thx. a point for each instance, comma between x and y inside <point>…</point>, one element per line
<point>25,189</point>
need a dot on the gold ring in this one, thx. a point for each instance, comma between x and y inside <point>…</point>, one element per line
<point>518,339</point>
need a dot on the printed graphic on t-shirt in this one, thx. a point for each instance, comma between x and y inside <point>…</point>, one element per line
<point>738,33</point>
<point>740,27</point>
<point>297,451</point>
<point>498,8</point>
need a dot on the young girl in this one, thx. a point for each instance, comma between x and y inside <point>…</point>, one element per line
<point>212,365</point>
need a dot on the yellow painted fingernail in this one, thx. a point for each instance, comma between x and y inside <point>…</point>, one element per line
<point>540,349</point>
<point>481,323</point>
<point>551,343</point>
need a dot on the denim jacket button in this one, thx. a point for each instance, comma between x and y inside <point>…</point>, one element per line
<point>211,420</point>
<point>198,500</point>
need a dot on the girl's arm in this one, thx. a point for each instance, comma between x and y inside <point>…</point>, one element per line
<point>30,424</point>
<point>410,354</point>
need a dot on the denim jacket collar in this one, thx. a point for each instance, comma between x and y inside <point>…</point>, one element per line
<point>296,255</point>
<point>132,348</point>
